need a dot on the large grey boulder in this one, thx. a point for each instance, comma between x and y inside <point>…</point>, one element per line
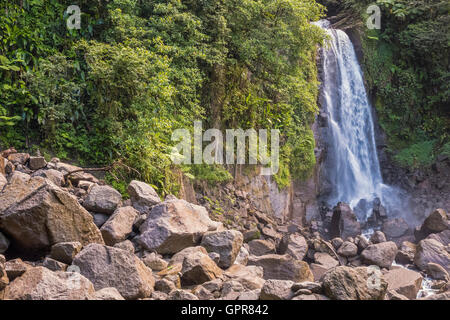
<point>345,283</point>
<point>143,197</point>
<point>226,243</point>
<point>430,250</point>
<point>282,267</point>
<point>111,267</point>
<point>102,199</point>
<point>119,226</point>
<point>36,214</point>
<point>174,225</point>
<point>380,254</point>
<point>42,284</point>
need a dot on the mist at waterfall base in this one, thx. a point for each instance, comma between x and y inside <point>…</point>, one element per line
<point>352,166</point>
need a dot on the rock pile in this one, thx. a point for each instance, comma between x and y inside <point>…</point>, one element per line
<point>73,237</point>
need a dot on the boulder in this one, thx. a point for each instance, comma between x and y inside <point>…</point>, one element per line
<point>361,242</point>
<point>250,295</point>
<point>395,228</point>
<point>250,235</point>
<point>282,267</point>
<point>378,237</point>
<point>436,222</point>
<point>108,294</point>
<point>380,254</point>
<point>37,214</point>
<point>231,290</point>
<point>313,287</point>
<point>297,247</point>
<point>438,297</point>
<point>15,268</point>
<point>214,256</point>
<point>405,282</point>
<point>442,237</point>
<point>318,271</point>
<point>242,257</point>
<point>4,243</point>
<point>126,245</point>
<point>157,295</point>
<point>182,295</point>
<point>325,260</point>
<point>111,267</point>
<point>344,223</point>
<point>119,226</point>
<point>100,219</point>
<point>54,176</point>
<point>406,253</point>
<point>277,290</point>
<point>42,284</point>
<point>437,272</point>
<point>430,250</point>
<point>37,163</point>
<point>337,242</point>
<point>154,262</point>
<point>199,268</point>
<point>19,158</point>
<point>213,285</point>
<point>143,197</point>
<point>261,247</point>
<point>175,225</point>
<point>179,257</point>
<point>102,199</point>
<point>226,243</point>
<point>164,285</point>
<point>348,249</point>
<point>54,265</point>
<point>65,251</point>
<point>251,277</point>
<point>345,283</point>
<point>203,294</point>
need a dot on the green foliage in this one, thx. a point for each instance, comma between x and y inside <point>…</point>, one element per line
<point>417,155</point>
<point>137,70</point>
<point>212,174</point>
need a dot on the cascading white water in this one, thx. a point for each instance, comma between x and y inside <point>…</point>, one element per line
<point>354,170</point>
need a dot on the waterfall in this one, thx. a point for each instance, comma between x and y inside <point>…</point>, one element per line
<point>353,170</point>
